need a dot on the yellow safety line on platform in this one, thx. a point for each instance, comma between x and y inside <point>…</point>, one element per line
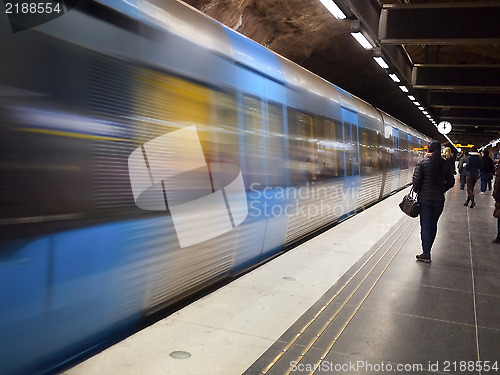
<point>322,330</point>
<point>276,359</point>
<point>318,363</point>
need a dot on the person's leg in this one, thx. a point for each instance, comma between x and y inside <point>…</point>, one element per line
<point>473,184</point>
<point>426,228</point>
<point>469,190</point>
<point>463,179</point>
<point>484,181</point>
<point>436,211</point>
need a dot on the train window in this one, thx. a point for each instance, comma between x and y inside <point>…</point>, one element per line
<point>300,127</point>
<point>390,151</point>
<point>368,156</point>
<point>220,139</point>
<point>403,143</point>
<point>255,159</point>
<point>348,149</point>
<point>339,145</point>
<point>329,168</point>
<point>397,152</point>
<point>355,150</point>
<point>45,178</point>
<point>275,160</point>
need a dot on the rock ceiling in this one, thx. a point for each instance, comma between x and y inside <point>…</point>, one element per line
<point>306,33</point>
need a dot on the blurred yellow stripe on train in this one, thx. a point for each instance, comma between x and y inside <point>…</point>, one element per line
<point>177,101</point>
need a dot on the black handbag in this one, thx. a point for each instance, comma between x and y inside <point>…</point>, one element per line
<point>409,205</point>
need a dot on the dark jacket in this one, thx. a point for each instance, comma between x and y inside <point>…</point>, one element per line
<point>451,160</point>
<point>488,166</point>
<point>496,193</point>
<point>473,164</point>
<point>422,180</point>
<point>461,164</point>
<point>496,186</point>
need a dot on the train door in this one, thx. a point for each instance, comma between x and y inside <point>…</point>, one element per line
<point>252,160</point>
<point>351,161</point>
<point>277,175</point>
<point>262,155</point>
<point>395,159</point>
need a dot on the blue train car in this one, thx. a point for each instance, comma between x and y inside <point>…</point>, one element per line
<point>146,152</point>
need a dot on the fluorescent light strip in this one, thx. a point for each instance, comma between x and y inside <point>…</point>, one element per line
<point>334,9</point>
<point>411,97</point>
<point>361,39</point>
<point>404,88</point>
<point>416,103</point>
<point>394,77</point>
<point>381,62</point>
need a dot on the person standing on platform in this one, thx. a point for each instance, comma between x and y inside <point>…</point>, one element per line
<point>433,176</point>
<point>487,172</point>
<point>496,195</point>
<point>473,164</point>
<point>461,170</point>
<point>450,158</point>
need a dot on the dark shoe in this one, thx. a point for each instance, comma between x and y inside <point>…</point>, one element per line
<point>423,258</point>
<point>496,240</point>
<point>473,204</point>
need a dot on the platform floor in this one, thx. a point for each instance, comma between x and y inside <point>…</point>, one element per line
<point>352,300</point>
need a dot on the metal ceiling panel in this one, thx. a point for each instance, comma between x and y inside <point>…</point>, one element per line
<point>449,23</point>
<point>463,99</point>
<point>442,76</point>
<point>472,114</point>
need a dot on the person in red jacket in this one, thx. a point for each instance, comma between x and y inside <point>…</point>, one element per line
<point>432,177</point>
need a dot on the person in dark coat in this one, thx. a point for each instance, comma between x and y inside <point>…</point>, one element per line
<point>450,158</point>
<point>433,176</point>
<point>472,166</point>
<point>496,195</point>
<point>486,172</point>
<point>461,170</point>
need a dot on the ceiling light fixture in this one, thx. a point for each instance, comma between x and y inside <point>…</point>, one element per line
<point>411,97</point>
<point>394,77</point>
<point>380,60</point>
<point>404,88</point>
<point>416,103</point>
<point>334,9</point>
<point>361,39</point>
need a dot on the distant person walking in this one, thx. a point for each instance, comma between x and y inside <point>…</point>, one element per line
<point>472,166</point>
<point>450,158</point>
<point>461,170</point>
<point>433,176</point>
<point>487,172</point>
<point>496,195</point>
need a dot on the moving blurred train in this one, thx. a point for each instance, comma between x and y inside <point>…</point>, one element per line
<point>146,152</point>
